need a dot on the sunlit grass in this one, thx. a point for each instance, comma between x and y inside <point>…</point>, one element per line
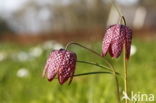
<point>86,89</point>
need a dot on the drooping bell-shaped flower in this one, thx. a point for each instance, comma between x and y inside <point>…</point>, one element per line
<point>61,63</point>
<point>115,38</point>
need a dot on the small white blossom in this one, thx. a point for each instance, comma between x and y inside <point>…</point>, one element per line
<point>57,46</point>
<point>36,52</point>
<point>48,44</point>
<point>23,56</point>
<point>22,73</point>
<point>2,56</point>
<point>52,45</point>
<point>133,50</point>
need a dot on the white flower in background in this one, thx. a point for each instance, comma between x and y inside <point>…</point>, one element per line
<point>48,44</point>
<point>22,73</point>
<point>57,46</point>
<point>23,56</point>
<point>2,56</point>
<point>52,45</point>
<point>133,50</point>
<point>36,52</point>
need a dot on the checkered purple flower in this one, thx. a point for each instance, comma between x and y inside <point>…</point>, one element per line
<point>61,63</point>
<point>115,37</point>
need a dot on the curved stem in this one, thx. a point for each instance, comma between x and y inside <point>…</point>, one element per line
<point>89,73</point>
<point>119,12</point>
<point>123,19</point>
<point>96,64</point>
<point>125,72</point>
<point>92,51</point>
<point>71,43</point>
<point>113,72</point>
<point>109,64</point>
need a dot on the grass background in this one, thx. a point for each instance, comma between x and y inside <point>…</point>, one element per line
<point>84,89</point>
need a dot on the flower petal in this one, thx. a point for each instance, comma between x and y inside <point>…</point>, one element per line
<point>116,36</point>
<point>52,65</point>
<point>67,68</point>
<point>128,42</point>
<point>117,41</point>
<point>107,40</point>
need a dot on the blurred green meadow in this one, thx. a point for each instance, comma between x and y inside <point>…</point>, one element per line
<point>21,75</point>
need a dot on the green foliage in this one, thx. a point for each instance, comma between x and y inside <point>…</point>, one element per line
<point>85,89</point>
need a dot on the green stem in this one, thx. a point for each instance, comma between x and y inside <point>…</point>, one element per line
<point>114,73</point>
<point>117,85</point>
<point>90,50</point>
<point>71,43</point>
<point>119,12</point>
<point>98,65</point>
<point>125,72</point>
<point>95,64</point>
<point>89,73</point>
<point>123,20</point>
<point>109,64</point>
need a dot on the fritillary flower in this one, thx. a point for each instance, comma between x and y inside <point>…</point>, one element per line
<point>115,38</point>
<point>61,63</point>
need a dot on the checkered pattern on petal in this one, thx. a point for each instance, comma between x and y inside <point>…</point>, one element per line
<point>52,65</point>
<point>120,35</point>
<point>117,41</point>
<point>67,67</point>
<point>128,41</point>
<point>61,62</point>
<point>107,40</point>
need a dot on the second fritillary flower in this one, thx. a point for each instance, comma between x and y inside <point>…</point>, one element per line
<point>115,37</point>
